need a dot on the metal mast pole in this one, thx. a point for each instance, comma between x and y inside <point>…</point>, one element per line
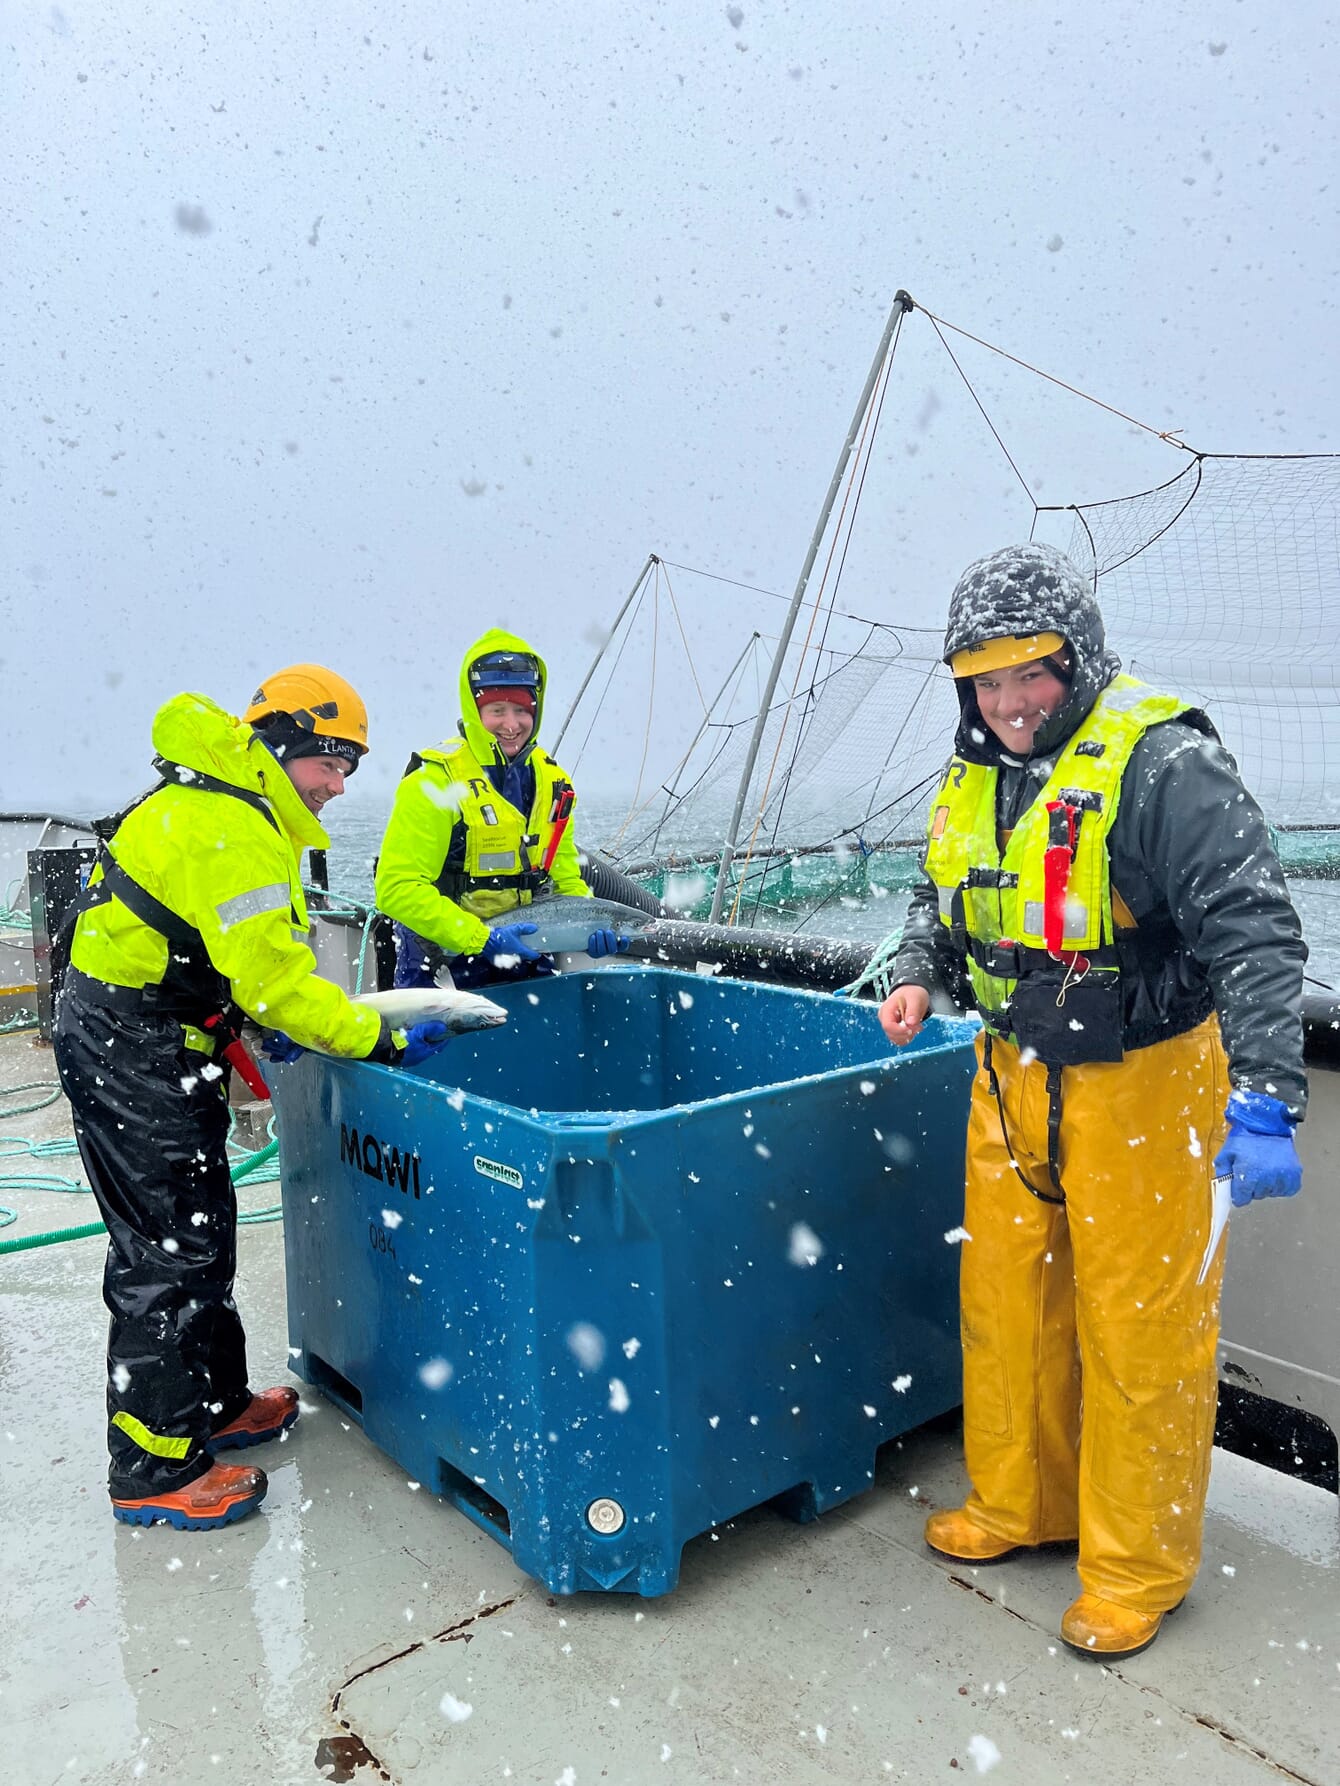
<point>595,662</point>
<point>902,303</point>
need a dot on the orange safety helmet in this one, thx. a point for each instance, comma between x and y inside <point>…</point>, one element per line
<point>318,703</point>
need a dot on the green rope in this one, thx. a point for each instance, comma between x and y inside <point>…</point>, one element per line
<point>253,1167</point>
<point>38,1181</point>
<point>257,1168</point>
<point>11,1146</point>
<point>347,903</point>
<point>57,1234</point>
<point>362,953</point>
<point>12,917</point>
<point>12,1091</point>
<point>260,1167</point>
<point>877,974</point>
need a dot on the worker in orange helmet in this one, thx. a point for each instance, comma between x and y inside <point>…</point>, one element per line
<point>194,917</point>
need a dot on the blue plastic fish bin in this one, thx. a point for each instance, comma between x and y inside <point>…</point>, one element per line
<point>662,1248</point>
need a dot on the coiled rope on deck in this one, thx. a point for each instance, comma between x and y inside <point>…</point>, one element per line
<point>255,1168</point>
<point>258,1167</point>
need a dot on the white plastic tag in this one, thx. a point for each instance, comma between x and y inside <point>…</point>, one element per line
<point>1221,1202</point>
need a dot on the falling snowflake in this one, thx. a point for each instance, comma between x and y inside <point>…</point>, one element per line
<point>587,1345</point>
<point>984,1753</point>
<point>805,1247</point>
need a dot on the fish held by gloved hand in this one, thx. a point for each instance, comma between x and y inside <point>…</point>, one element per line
<point>565,925</point>
<point>460,1011</point>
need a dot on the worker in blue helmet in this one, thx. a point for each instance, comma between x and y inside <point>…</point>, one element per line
<point>480,825</point>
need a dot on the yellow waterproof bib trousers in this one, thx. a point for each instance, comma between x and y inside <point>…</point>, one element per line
<point>1088,1346</point>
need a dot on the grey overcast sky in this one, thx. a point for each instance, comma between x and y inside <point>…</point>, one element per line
<point>341,332</point>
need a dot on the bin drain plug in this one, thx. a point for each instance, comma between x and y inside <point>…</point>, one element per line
<point>605,1516</point>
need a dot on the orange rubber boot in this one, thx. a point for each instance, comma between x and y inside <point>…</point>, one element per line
<point>224,1493</point>
<point>266,1416</point>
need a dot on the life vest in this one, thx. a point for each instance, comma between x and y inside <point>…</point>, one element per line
<point>1035,923</point>
<point>191,989</point>
<point>504,850</point>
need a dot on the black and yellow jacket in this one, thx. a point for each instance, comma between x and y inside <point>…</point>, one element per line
<point>228,867</point>
<point>1205,920</point>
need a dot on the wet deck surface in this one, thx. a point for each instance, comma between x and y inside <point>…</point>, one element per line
<point>359,1629</point>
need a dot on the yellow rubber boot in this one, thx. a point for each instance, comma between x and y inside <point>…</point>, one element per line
<point>1102,1629</point>
<point>953,1533</point>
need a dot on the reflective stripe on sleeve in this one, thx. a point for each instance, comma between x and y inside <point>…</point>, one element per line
<point>157,1444</point>
<point>250,905</point>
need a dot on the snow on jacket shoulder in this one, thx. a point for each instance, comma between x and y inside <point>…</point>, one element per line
<point>221,865</point>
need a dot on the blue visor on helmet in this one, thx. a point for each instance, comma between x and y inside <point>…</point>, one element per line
<point>511,669</point>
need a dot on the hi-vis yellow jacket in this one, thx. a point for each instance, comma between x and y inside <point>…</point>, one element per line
<point>994,903</point>
<point>218,863</point>
<point>503,848</point>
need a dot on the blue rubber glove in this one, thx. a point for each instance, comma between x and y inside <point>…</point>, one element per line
<point>275,1045</point>
<point>423,1041</point>
<point>606,942</point>
<point>506,940</point>
<point>1260,1152</point>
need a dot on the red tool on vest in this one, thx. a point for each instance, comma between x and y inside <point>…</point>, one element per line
<point>235,1052</point>
<point>1062,830</point>
<point>559,815</point>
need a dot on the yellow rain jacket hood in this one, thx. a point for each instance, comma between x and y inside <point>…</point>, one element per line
<point>447,869</point>
<point>476,734</point>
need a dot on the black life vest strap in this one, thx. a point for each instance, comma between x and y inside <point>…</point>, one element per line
<point>1053,1126</point>
<point>192,988</point>
<point>1054,1131</point>
<point>453,882</point>
<point>178,775</point>
<point>138,899</point>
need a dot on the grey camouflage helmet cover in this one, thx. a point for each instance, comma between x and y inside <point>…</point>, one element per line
<point>1021,590</point>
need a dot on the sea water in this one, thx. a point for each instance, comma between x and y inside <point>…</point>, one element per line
<point>356,832</point>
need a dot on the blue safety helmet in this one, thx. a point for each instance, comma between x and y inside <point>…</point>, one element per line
<point>505,669</point>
